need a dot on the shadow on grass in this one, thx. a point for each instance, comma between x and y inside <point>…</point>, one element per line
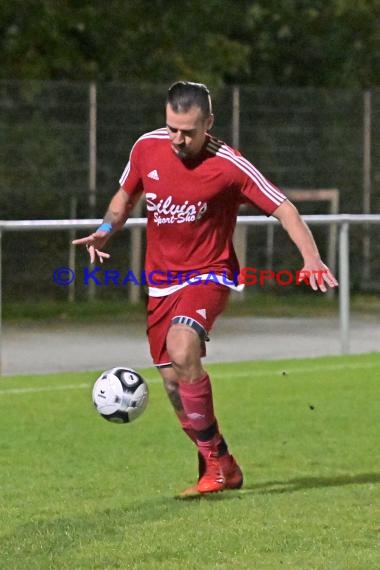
<point>48,538</point>
<point>302,483</point>
<point>59,536</point>
<point>289,486</point>
<point>56,540</point>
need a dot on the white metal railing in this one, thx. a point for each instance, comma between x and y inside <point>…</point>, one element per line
<point>343,221</point>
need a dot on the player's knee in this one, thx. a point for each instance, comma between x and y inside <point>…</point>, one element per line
<point>183,347</point>
<point>181,357</point>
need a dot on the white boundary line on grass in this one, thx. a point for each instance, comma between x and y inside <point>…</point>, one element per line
<point>35,389</point>
<point>263,374</point>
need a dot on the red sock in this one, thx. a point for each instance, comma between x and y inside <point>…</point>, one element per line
<point>210,445</point>
<point>186,425</point>
<point>198,405</point>
<point>197,402</point>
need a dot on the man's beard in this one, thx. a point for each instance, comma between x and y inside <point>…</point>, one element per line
<point>181,152</point>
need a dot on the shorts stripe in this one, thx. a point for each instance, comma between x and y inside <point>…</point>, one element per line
<point>183,320</point>
<point>164,365</point>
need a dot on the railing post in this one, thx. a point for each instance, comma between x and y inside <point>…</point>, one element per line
<point>344,287</point>
<point>72,249</point>
<point>134,293</point>
<point>367,119</point>
<point>240,235</point>
<point>92,142</point>
<point>1,313</point>
<point>236,117</point>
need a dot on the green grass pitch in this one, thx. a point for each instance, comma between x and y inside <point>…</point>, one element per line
<point>80,493</point>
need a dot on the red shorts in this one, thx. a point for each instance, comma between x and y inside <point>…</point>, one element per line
<point>195,305</point>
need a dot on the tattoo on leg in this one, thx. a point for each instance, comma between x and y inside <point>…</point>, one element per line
<point>175,399</point>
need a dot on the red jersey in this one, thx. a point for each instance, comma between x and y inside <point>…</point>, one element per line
<point>192,204</point>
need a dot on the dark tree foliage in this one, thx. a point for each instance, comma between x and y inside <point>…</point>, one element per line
<point>331,43</point>
<point>292,42</point>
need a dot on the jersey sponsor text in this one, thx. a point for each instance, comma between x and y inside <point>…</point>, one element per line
<point>168,212</point>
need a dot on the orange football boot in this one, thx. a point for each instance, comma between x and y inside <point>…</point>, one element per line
<point>220,473</point>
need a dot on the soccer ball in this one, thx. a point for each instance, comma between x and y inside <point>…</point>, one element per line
<point>120,395</point>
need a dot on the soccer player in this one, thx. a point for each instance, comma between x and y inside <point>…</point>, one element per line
<point>193,186</point>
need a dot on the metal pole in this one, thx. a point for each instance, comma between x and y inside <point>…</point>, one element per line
<point>344,287</point>
<point>1,319</point>
<point>134,292</point>
<point>236,117</point>
<point>240,235</point>
<point>366,183</point>
<point>92,150</point>
<point>240,245</point>
<point>92,167</point>
<point>333,232</point>
<point>72,248</point>
<point>269,247</point>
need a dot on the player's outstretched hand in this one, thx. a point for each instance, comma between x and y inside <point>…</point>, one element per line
<point>94,244</point>
<point>318,275</point>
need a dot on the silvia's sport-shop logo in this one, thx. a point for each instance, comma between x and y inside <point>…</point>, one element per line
<point>165,211</point>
